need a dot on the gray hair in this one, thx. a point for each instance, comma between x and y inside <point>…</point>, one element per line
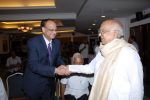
<point>117,26</point>
<point>76,55</point>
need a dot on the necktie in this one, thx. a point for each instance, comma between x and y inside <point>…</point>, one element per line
<point>49,51</point>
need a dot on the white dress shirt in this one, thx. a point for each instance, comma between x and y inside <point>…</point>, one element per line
<point>47,42</point>
<point>127,83</point>
<point>13,61</point>
<point>77,85</point>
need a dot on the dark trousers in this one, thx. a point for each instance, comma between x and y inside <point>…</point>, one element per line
<point>47,94</point>
<point>71,97</point>
<point>44,96</point>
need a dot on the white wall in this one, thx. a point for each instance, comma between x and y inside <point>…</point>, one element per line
<point>141,22</point>
<point>125,22</point>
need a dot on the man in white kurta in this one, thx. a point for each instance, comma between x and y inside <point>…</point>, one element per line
<point>126,82</point>
<point>128,79</point>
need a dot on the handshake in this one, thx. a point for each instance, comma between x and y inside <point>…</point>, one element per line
<point>62,70</point>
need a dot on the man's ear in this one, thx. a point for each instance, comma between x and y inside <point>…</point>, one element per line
<point>43,29</point>
<point>116,32</point>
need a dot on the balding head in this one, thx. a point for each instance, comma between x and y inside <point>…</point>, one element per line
<point>77,59</point>
<point>115,25</point>
<point>109,30</point>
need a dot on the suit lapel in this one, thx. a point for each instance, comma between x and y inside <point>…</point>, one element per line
<point>43,44</point>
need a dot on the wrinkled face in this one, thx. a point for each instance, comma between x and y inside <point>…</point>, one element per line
<point>107,33</point>
<point>49,30</point>
<point>78,61</point>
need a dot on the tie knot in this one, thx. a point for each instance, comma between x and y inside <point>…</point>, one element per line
<point>49,45</point>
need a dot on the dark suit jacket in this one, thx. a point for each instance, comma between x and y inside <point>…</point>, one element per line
<point>39,72</point>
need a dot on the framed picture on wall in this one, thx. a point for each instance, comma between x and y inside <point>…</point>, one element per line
<point>4,44</point>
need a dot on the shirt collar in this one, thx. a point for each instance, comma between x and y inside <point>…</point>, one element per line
<point>47,41</point>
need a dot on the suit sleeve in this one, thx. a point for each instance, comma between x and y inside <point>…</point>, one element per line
<point>33,61</point>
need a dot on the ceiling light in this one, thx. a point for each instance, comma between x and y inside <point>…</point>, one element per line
<point>102,13</point>
<point>103,16</point>
<point>21,22</point>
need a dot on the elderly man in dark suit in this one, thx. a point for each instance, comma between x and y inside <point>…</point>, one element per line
<point>43,58</point>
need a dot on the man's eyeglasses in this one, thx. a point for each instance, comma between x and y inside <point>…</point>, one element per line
<point>51,30</point>
<point>102,32</point>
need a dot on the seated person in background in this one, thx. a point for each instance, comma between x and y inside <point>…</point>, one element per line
<point>96,48</point>
<point>75,86</point>
<point>132,40</point>
<point>13,63</point>
<point>84,50</point>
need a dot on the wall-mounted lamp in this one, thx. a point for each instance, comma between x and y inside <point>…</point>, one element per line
<point>25,28</point>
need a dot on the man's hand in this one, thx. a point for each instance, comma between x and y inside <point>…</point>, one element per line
<point>67,72</point>
<point>62,70</point>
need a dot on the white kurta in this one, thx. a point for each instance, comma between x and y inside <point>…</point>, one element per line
<point>127,82</point>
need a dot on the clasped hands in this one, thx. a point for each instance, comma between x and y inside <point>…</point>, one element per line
<point>62,70</point>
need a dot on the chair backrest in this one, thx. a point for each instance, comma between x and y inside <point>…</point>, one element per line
<point>15,85</point>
